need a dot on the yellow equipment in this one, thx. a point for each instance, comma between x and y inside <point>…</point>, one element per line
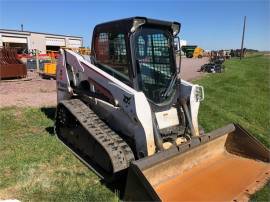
<point>81,50</point>
<point>84,51</point>
<point>198,52</point>
<point>50,68</point>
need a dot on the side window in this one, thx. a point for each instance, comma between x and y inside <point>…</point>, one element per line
<point>102,47</point>
<point>111,54</point>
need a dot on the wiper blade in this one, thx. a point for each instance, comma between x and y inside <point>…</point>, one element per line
<point>170,87</point>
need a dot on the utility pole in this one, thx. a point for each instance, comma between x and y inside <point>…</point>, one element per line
<point>243,36</point>
<point>37,60</point>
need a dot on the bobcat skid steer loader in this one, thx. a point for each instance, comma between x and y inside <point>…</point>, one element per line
<point>126,109</point>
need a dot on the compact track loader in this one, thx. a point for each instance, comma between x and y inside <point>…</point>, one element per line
<point>126,110</point>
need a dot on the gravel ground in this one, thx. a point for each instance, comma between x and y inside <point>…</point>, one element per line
<point>32,91</point>
<point>36,92</point>
<point>190,67</point>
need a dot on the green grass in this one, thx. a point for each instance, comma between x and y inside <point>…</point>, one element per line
<point>240,95</point>
<point>262,195</point>
<point>36,167</point>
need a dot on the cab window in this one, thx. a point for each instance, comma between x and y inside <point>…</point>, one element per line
<point>111,54</point>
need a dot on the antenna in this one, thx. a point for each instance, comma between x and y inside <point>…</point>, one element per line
<point>22,27</point>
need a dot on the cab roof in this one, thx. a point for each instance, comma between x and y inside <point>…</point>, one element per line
<point>125,25</point>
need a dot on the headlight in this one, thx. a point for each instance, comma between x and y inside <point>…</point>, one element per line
<point>199,93</point>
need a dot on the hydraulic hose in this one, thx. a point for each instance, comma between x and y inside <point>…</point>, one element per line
<point>186,111</point>
<point>157,136</point>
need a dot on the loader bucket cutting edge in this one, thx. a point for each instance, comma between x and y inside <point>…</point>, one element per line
<point>227,164</point>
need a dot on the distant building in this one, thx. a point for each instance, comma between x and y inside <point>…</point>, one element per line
<point>183,43</point>
<point>37,40</point>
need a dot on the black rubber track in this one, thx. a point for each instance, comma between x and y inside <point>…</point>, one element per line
<point>79,128</point>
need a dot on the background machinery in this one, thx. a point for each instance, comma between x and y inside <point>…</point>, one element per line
<point>188,50</point>
<point>10,65</point>
<point>49,70</point>
<point>126,110</point>
<point>192,51</point>
<point>198,52</point>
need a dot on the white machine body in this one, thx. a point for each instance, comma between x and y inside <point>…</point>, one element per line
<point>129,110</point>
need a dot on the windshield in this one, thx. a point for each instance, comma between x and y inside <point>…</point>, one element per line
<point>154,58</point>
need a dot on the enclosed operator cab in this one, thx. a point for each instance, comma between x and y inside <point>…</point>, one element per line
<point>140,52</point>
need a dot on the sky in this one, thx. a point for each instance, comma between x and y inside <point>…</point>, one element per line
<point>211,24</point>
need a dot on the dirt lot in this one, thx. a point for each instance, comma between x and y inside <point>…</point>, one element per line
<point>32,91</point>
<point>190,67</point>
<point>36,92</point>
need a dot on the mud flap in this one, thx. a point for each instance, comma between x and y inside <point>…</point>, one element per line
<point>227,164</point>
